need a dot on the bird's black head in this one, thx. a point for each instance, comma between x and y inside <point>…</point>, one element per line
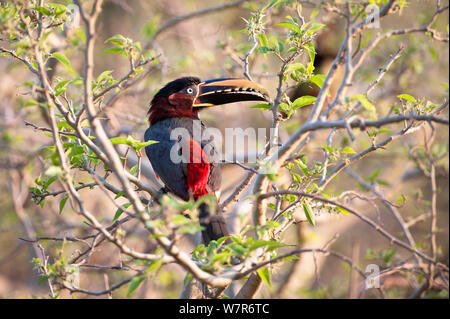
<point>185,96</point>
<point>177,86</point>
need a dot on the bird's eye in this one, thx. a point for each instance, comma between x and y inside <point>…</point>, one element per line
<point>190,90</point>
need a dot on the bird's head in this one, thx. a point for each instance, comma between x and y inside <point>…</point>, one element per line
<point>185,96</point>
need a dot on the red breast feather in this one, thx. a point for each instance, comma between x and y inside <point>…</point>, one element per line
<point>197,170</point>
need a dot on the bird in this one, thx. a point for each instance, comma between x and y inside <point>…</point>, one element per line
<point>187,164</point>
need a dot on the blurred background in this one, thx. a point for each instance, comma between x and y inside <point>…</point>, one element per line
<point>210,46</point>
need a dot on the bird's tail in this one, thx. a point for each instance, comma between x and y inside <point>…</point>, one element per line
<point>214,224</point>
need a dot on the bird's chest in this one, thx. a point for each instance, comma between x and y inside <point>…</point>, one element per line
<point>178,134</point>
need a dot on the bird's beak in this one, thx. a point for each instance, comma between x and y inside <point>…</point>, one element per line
<point>223,91</point>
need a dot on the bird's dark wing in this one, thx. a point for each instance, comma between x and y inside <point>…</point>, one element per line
<point>171,174</point>
<point>174,175</point>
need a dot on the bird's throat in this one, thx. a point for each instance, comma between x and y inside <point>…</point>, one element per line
<point>171,107</point>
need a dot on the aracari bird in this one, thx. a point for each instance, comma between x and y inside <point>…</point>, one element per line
<point>187,166</point>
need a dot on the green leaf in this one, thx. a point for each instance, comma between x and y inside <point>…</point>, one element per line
<point>42,10</point>
<point>286,108</point>
<point>36,261</point>
<point>343,211</point>
<point>118,140</point>
<point>130,141</point>
<point>364,102</point>
<point>76,150</point>
<point>280,46</point>
<point>115,50</point>
<point>264,273</point>
<point>271,245</point>
<point>63,59</point>
<point>103,75</point>
<point>119,211</point>
<point>383,130</point>
<point>221,240</point>
<point>119,194</point>
<point>237,248</point>
<point>154,266</point>
<point>187,279</point>
<point>134,284</point>
<point>293,257</point>
<point>139,145</point>
<point>372,132</point>
<point>389,254</point>
<point>309,214</point>
<point>31,103</point>
<point>264,49</point>
<point>311,52</point>
<point>303,101</point>
<point>316,27</point>
<point>180,220</point>
<point>310,67</point>
<point>314,12</point>
<point>303,167</point>
<point>275,3</point>
<point>62,203</point>
<point>317,79</point>
<point>151,27</point>
<point>383,182</point>
<point>373,176</point>
<point>60,9</point>
<point>222,257</point>
<point>348,150</point>
<point>297,178</point>
<point>77,81</point>
<point>53,171</point>
<point>290,198</point>
<point>295,67</point>
<point>407,97</point>
<point>401,199</point>
<point>263,106</point>
<point>154,224</point>
<point>61,87</point>
<point>263,40</point>
<point>433,53</point>
<point>290,25</point>
<point>329,149</point>
<point>133,169</point>
<point>118,38</point>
